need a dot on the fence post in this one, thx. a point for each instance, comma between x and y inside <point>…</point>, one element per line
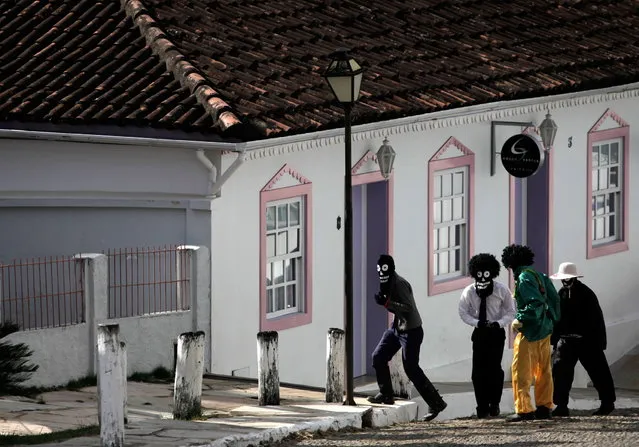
<point>268,379</point>
<point>125,374</point>
<point>110,397</point>
<point>96,298</point>
<point>335,365</point>
<point>187,390</point>
<point>399,379</point>
<point>198,291</point>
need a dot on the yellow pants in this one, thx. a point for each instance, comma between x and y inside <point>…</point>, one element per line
<point>531,358</point>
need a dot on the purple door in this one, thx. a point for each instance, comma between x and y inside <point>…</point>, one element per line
<point>370,239</point>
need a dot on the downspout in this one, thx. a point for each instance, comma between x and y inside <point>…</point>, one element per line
<point>215,183</point>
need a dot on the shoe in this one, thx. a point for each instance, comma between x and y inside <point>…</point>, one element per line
<point>494,410</point>
<point>434,412</point>
<point>482,412</point>
<point>518,417</point>
<point>605,409</point>
<point>561,411</point>
<point>380,398</point>
<point>543,413</point>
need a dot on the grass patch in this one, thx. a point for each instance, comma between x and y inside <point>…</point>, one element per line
<point>159,374</point>
<point>63,435</point>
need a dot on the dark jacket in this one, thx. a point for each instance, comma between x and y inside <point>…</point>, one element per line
<point>402,303</point>
<point>534,295</point>
<point>581,315</point>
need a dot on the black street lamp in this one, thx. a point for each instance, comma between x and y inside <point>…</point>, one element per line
<point>344,76</point>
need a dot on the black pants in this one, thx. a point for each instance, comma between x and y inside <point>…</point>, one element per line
<point>410,341</point>
<point>564,359</point>
<point>487,374</point>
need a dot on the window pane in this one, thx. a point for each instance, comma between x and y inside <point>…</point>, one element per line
<point>603,155</point>
<point>594,208</point>
<point>612,227</point>
<point>459,234</point>
<point>291,299</point>
<point>595,180</point>
<point>280,299</point>
<point>610,203</point>
<point>458,208</point>
<point>294,213</point>
<point>294,240</point>
<point>270,245</point>
<point>614,153</point>
<point>458,183</point>
<point>436,264</point>
<point>269,274</point>
<point>443,263</point>
<point>436,239</point>
<point>291,269</point>
<point>282,216</point>
<point>270,218</point>
<point>595,156</point>
<point>451,262</point>
<point>443,238</point>
<point>447,185</point>
<point>269,301</point>
<point>600,204</point>
<point>447,212</point>
<point>599,228</point>
<point>437,212</point>
<point>455,261</point>
<point>437,187</point>
<point>278,272</point>
<point>614,177</point>
<point>603,178</point>
<point>282,245</point>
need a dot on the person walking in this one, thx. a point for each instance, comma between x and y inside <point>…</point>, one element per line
<point>538,310</point>
<point>488,306</point>
<point>580,335</point>
<point>396,295</point>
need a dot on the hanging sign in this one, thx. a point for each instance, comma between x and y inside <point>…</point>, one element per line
<point>522,155</point>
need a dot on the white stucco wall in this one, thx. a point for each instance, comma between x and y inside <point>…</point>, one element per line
<point>446,350</point>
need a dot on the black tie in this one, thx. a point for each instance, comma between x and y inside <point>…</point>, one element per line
<point>482,309</point>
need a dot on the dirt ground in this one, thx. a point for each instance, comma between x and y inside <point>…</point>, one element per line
<point>620,429</point>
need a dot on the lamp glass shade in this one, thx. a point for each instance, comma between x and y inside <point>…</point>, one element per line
<point>344,76</point>
<point>385,159</point>
<point>548,131</point>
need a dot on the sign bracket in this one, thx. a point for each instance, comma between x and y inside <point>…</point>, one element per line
<point>493,150</point>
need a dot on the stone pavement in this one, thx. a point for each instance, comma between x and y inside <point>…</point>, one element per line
<point>231,414</point>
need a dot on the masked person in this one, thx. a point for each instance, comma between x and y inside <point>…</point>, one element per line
<point>396,295</point>
<point>580,335</point>
<point>488,306</point>
<point>537,311</point>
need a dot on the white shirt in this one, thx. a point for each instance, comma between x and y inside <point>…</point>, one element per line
<point>500,305</point>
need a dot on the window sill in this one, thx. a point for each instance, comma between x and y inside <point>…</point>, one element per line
<point>606,249</point>
<point>284,322</point>
<point>437,288</point>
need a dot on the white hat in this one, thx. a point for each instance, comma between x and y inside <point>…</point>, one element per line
<point>567,270</point>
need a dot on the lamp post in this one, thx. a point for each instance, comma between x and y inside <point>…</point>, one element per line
<point>548,131</point>
<point>344,76</point>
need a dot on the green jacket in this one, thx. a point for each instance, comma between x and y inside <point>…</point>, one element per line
<point>533,305</point>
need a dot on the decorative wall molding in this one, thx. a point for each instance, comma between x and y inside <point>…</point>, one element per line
<point>369,155</point>
<point>451,142</point>
<point>608,114</point>
<point>286,169</point>
<point>440,120</point>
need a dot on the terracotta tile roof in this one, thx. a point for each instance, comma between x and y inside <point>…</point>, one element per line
<point>253,67</point>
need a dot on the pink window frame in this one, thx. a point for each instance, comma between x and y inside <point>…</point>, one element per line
<point>271,194</point>
<point>436,164</point>
<point>595,135</point>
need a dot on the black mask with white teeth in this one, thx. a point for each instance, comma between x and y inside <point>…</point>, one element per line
<point>386,272</point>
<point>484,268</point>
<point>484,284</point>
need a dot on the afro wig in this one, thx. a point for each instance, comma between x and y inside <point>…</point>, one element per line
<point>515,256</point>
<point>482,262</point>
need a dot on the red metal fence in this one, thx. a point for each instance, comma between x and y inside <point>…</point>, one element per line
<point>42,292</point>
<point>146,281</point>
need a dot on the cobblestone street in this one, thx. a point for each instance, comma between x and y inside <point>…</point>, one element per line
<point>619,429</point>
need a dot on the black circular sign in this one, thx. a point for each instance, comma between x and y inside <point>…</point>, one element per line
<point>522,155</point>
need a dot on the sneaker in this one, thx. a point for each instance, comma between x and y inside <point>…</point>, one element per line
<point>542,413</point>
<point>605,409</point>
<point>518,417</point>
<point>561,411</point>
<point>380,398</point>
<point>494,410</point>
<point>434,412</point>
<point>482,412</point>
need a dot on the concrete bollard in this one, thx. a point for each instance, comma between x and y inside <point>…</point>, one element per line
<point>110,397</point>
<point>125,397</point>
<point>335,365</point>
<point>187,390</point>
<point>401,385</point>
<point>268,378</point>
